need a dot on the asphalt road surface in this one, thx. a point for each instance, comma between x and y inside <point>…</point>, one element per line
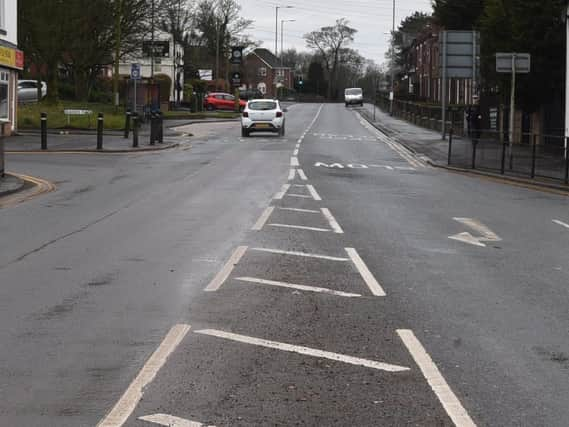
<point>325,278</point>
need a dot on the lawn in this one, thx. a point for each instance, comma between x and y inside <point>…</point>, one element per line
<point>29,115</point>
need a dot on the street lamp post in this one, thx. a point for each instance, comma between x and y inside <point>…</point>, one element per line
<point>566,134</point>
<point>392,92</point>
<point>282,36</point>
<point>277,25</point>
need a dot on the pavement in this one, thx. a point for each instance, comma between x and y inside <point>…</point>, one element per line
<point>330,277</point>
<point>10,184</point>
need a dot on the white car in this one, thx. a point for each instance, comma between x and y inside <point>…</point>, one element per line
<point>354,95</point>
<point>28,91</point>
<point>263,115</point>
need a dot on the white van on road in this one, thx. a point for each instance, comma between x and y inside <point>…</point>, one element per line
<point>353,96</point>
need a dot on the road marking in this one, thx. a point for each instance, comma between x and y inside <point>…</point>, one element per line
<point>129,400</point>
<point>561,223</point>
<point>224,273</point>
<point>307,351</point>
<point>298,210</point>
<point>298,287</point>
<point>299,185</point>
<point>300,227</point>
<point>333,165</point>
<point>303,196</point>
<point>301,254</point>
<point>281,193</point>
<point>40,186</point>
<point>295,152</point>
<point>313,192</point>
<point>486,235</point>
<point>333,223</point>
<point>294,161</point>
<point>369,279</point>
<point>291,174</point>
<point>171,421</point>
<point>302,175</point>
<point>438,384</point>
<point>263,218</point>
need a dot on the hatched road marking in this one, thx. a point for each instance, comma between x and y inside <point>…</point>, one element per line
<point>224,273</point>
<point>313,192</point>
<point>300,227</point>
<point>298,287</point>
<point>301,254</point>
<point>369,279</point>
<point>303,350</point>
<point>263,218</point>
<point>561,223</point>
<point>281,193</point>
<point>332,221</point>
<point>171,421</point>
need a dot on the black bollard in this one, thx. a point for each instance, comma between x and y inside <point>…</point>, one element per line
<point>134,130</point>
<point>160,127</point>
<point>450,135</point>
<point>100,131</point>
<point>43,121</point>
<point>127,124</point>
<point>152,128</point>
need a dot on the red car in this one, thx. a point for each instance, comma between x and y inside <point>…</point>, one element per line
<point>222,101</point>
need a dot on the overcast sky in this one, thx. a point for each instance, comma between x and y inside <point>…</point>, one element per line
<point>372,19</point>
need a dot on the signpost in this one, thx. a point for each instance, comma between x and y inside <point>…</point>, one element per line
<point>459,53</point>
<point>514,63</point>
<point>135,75</point>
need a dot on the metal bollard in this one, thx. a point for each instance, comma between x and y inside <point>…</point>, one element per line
<point>566,162</point>
<point>450,134</point>
<point>474,144</point>
<point>43,121</point>
<point>127,124</point>
<point>533,149</point>
<point>100,131</point>
<point>152,128</point>
<point>504,148</point>
<point>160,119</point>
<point>134,130</point>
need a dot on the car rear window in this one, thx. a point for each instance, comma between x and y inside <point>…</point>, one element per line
<point>353,91</point>
<point>262,105</point>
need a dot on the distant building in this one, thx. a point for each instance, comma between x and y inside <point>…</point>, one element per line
<point>11,62</point>
<point>264,72</point>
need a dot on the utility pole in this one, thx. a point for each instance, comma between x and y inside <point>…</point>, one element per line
<point>118,16</point>
<point>277,25</point>
<point>152,43</point>
<point>392,93</point>
<point>566,80</point>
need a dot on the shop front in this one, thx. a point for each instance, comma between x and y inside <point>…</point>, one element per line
<point>11,62</point>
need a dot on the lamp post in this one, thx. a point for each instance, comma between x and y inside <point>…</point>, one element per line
<point>566,133</point>
<point>392,92</point>
<point>282,36</point>
<point>277,25</point>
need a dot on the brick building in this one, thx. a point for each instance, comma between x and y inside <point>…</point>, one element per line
<point>264,72</point>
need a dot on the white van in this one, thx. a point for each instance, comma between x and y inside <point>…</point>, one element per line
<point>354,95</point>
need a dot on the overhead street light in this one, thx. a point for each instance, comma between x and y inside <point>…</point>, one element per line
<point>277,25</point>
<point>282,36</point>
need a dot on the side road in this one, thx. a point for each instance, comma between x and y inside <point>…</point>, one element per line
<point>429,146</point>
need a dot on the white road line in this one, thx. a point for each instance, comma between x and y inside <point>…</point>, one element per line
<point>300,227</point>
<point>303,350</point>
<point>281,193</point>
<point>170,421</point>
<point>372,284</point>
<point>313,192</point>
<point>561,223</point>
<point>302,196</point>
<point>294,162</point>
<point>299,185</point>
<point>295,152</point>
<point>298,210</point>
<point>263,218</point>
<point>302,175</point>
<point>224,273</point>
<point>299,140</point>
<point>291,174</point>
<point>301,254</point>
<point>298,287</point>
<point>438,384</point>
<point>333,223</point>
<point>129,400</point>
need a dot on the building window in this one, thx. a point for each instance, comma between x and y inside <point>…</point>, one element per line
<point>262,72</point>
<point>280,73</point>
<point>4,98</point>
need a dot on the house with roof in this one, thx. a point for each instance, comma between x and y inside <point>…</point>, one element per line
<point>263,71</point>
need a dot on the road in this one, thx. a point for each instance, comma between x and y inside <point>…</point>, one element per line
<point>325,278</point>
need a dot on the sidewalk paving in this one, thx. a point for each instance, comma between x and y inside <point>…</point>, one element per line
<point>10,184</point>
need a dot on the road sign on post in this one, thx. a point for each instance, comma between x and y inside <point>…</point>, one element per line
<point>135,75</point>
<point>236,78</point>
<point>514,63</point>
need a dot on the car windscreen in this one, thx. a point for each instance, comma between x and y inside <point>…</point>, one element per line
<point>353,91</point>
<point>262,105</point>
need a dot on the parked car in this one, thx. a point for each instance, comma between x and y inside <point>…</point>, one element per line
<point>28,91</point>
<point>221,101</point>
<point>263,115</point>
<point>248,94</point>
<point>354,96</point>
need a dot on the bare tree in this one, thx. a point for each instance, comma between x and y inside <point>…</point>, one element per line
<point>329,42</point>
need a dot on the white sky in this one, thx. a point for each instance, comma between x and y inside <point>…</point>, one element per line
<point>372,19</point>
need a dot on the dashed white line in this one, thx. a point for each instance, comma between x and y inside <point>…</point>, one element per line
<point>298,287</point>
<point>300,227</point>
<point>368,277</point>
<point>281,193</point>
<point>263,218</point>
<point>332,221</point>
<point>300,254</point>
<point>313,192</point>
<point>294,162</point>
<point>224,273</point>
<point>561,223</point>
<point>438,384</point>
<point>295,152</point>
<point>303,350</point>
<point>129,400</point>
<point>298,210</point>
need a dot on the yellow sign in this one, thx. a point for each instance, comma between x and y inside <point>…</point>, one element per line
<point>12,58</point>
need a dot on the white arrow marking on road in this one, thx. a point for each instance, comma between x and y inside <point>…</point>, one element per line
<point>304,350</point>
<point>170,421</point>
<point>561,223</point>
<point>486,235</point>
